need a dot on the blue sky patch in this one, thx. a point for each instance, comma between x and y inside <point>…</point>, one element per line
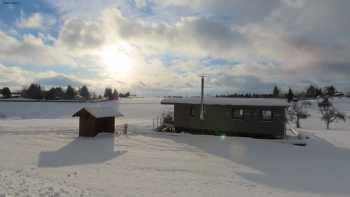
<point>10,14</point>
<point>209,61</point>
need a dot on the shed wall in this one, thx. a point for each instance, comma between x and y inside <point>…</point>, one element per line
<point>105,124</point>
<point>90,126</point>
<point>87,126</point>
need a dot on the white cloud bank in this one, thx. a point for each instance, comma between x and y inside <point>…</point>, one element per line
<point>287,42</point>
<point>36,21</point>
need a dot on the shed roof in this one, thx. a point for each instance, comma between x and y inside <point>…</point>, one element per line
<point>228,101</point>
<point>99,112</point>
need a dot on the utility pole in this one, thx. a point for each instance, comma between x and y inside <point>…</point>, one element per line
<point>202,97</point>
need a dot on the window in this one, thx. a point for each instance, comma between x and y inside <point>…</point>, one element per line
<point>192,111</point>
<point>237,113</point>
<point>266,115</point>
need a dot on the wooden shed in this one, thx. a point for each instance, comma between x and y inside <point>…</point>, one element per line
<point>230,116</point>
<point>94,120</point>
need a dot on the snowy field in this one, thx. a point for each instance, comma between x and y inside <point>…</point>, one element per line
<point>40,155</point>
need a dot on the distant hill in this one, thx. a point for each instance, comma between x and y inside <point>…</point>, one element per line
<point>59,81</point>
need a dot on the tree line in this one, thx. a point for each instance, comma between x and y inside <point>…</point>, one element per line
<point>35,91</point>
<point>309,92</point>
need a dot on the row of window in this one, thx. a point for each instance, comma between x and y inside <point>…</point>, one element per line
<point>240,114</point>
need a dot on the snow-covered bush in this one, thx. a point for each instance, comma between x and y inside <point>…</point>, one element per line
<point>298,110</point>
<point>166,122</point>
<point>168,118</point>
<point>329,113</point>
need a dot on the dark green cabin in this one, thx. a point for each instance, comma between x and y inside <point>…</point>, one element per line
<point>258,117</point>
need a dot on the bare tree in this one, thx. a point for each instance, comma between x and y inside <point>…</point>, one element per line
<point>329,113</point>
<point>297,111</point>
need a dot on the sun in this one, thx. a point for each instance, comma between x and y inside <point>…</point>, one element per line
<point>116,61</point>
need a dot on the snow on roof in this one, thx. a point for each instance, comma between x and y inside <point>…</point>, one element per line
<point>100,112</point>
<point>228,101</point>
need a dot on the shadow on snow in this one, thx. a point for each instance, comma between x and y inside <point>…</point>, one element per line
<point>319,167</point>
<point>81,151</point>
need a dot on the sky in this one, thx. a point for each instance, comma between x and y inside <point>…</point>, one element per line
<point>161,47</point>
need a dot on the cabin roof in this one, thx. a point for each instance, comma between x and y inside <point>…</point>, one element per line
<point>275,102</point>
<point>99,112</point>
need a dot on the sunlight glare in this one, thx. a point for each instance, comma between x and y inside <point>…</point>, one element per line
<point>116,61</point>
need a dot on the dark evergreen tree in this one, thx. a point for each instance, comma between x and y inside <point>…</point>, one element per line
<point>276,92</point>
<point>70,93</point>
<point>84,93</point>
<point>6,92</point>
<point>50,95</point>
<point>330,90</point>
<point>290,95</point>
<point>34,91</point>
<point>319,92</point>
<point>311,92</point>
<point>59,93</point>
<point>54,94</point>
<point>108,93</point>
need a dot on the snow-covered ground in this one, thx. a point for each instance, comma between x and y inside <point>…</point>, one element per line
<point>40,155</point>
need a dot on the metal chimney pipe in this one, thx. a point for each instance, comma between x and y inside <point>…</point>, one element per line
<point>202,98</point>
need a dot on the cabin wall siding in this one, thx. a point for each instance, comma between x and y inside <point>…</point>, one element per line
<point>106,124</point>
<point>219,119</point>
<point>87,126</point>
<point>90,126</point>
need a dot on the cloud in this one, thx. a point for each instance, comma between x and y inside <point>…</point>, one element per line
<point>16,77</point>
<point>196,36</point>
<point>239,11</point>
<point>36,21</point>
<point>259,44</point>
<point>299,51</point>
<point>246,84</point>
<point>30,50</point>
<point>140,3</point>
<point>83,10</point>
<point>80,34</point>
<point>13,77</point>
